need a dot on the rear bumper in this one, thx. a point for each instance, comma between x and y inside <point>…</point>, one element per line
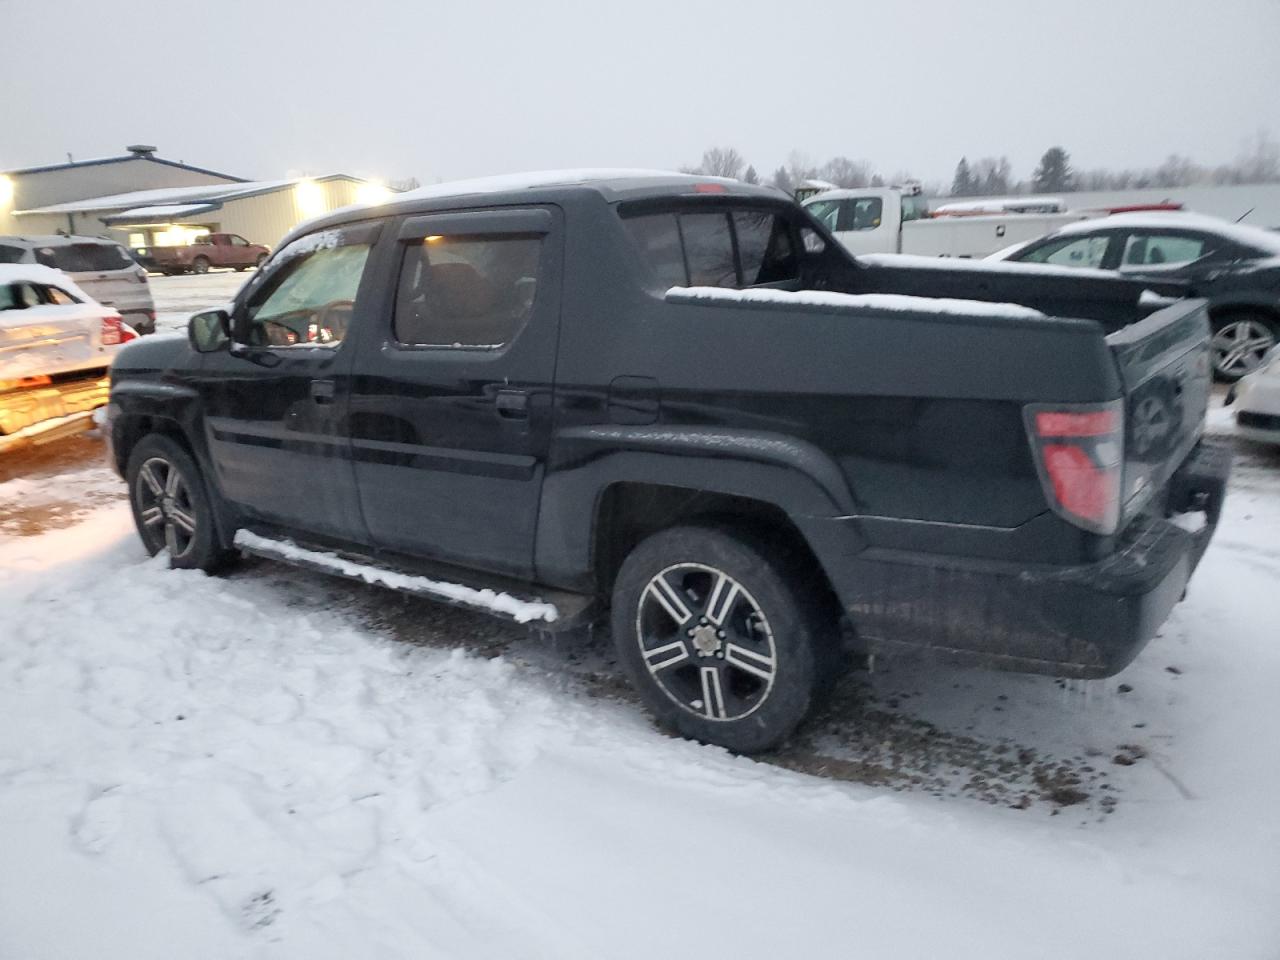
<point>1089,620</point>
<point>37,414</point>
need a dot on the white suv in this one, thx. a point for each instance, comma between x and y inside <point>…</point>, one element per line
<point>102,268</point>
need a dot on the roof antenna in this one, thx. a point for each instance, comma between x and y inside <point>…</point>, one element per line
<point>1245,214</point>
<point>69,160</point>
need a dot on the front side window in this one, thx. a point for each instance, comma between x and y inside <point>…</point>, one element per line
<point>1070,252</point>
<point>11,254</point>
<point>1160,250</point>
<point>466,291</point>
<point>310,300</point>
<point>238,241</point>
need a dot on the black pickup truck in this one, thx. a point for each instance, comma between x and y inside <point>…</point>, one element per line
<point>680,398</point>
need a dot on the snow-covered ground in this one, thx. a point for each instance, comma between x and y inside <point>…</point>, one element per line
<point>178,297</point>
<point>276,764</point>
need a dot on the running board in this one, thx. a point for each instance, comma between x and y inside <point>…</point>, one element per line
<point>553,610</point>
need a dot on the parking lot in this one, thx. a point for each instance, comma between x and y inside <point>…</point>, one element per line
<point>236,756</point>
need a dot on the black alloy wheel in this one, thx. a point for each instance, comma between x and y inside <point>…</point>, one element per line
<point>171,508</point>
<point>726,640</point>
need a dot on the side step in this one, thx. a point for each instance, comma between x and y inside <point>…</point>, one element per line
<point>551,609</point>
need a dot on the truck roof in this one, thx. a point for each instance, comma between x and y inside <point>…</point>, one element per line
<point>613,185</point>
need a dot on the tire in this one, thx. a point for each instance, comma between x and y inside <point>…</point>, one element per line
<point>171,506</point>
<point>1240,340</point>
<point>200,265</point>
<point>677,643</point>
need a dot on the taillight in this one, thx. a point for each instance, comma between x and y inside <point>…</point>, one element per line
<point>115,332</point>
<point>1079,454</point>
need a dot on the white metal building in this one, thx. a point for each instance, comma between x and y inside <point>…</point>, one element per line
<point>141,200</point>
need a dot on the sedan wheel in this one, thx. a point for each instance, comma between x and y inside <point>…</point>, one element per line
<point>1239,345</point>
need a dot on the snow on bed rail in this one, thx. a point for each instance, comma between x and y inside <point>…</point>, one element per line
<point>522,611</point>
<point>870,301</point>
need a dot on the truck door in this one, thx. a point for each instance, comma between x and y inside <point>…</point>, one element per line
<point>274,418</point>
<point>450,417</point>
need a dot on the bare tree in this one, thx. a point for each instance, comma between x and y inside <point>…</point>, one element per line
<point>722,162</point>
<point>844,172</point>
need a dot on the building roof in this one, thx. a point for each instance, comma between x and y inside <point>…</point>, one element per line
<point>214,193</point>
<point>164,213</point>
<point>103,161</point>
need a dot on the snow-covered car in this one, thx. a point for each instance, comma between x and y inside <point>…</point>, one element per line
<point>1235,266</point>
<point>1257,401</point>
<point>56,344</point>
<point>101,267</point>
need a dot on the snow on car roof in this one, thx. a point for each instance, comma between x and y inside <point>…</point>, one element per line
<point>1242,233</point>
<point>979,266</point>
<point>546,178</point>
<point>35,273</point>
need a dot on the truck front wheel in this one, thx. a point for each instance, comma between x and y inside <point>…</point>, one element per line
<point>200,265</point>
<point>724,644</point>
<point>171,507</point>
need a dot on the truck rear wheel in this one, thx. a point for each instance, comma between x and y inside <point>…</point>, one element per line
<point>200,265</point>
<point>724,643</point>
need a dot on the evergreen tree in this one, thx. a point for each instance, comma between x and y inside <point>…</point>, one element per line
<point>782,180</point>
<point>1054,174</point>
<point>962,184</point>
<point>751,176</point>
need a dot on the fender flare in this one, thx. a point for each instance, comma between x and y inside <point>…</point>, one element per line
<point>783,471</point>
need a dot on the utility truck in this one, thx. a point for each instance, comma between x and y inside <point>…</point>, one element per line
<point>898,220</point>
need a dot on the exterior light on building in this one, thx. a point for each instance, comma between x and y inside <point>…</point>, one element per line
<point>6,191</point>
<point>372,193</point>
<point>309,198</point>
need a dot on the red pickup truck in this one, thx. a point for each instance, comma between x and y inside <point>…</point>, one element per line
<point>211,250</point>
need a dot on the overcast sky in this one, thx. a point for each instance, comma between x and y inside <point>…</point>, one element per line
<point>438,90</point>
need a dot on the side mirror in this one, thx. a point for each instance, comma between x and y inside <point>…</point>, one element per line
<point>210,331</point>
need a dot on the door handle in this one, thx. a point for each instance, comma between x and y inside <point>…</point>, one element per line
<point>322,391</point>
<point>512,404</point>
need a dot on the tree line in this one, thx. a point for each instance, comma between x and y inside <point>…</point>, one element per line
<point>1258,162</point>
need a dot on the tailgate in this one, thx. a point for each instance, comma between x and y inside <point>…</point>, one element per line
<point>1164,363</point>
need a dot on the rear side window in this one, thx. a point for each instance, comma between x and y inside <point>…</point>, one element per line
<point>466,291</point>
<point>1155,250</point>
<point>708,249</point>
<point>11,254</point>
<point>658,237</point>
<point>862,213</point>
<point>83,257</point>
<point>737,248</point>
<point>59,296</point>
<point>765,248</point>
